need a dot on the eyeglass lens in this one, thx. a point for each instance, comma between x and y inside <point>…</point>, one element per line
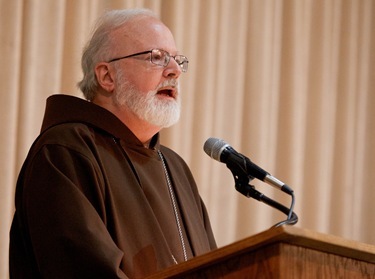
<point>162,58</point>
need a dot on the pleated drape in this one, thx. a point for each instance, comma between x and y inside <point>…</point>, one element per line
<point>289,83</point>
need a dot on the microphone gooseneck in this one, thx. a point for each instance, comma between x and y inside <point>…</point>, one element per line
<point>244,170</point>
<point>239,164</point>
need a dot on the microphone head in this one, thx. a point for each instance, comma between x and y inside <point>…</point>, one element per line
<point>214,147</point>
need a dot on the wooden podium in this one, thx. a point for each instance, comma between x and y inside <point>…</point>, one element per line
<point>283,252</point>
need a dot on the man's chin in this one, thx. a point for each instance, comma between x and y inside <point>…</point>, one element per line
<point>162,116</point>
<point>165,122</point>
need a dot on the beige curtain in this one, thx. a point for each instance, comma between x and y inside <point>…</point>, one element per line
<point>290,84</point>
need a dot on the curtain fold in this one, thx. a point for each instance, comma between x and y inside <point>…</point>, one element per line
<point>290,84</point>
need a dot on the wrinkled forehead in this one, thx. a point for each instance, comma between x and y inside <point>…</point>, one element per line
<point>143,33</point>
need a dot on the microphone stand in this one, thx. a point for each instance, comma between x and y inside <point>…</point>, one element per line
<point>242,185</point>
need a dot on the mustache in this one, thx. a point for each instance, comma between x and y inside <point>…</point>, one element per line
<point>168,82</point>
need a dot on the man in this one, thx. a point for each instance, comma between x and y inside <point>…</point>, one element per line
<point>98,196</point>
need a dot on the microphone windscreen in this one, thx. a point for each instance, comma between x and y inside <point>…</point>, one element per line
<point>214,147</point>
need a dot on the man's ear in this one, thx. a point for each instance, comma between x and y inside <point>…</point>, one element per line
<point>105,76</point>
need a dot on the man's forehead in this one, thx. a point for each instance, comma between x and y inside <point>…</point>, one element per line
<point>140,26</point>
<point>142,32</point>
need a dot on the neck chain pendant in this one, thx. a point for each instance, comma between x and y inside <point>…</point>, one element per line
<point>175,210</point>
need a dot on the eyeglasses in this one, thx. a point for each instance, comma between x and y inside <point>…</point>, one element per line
<point>160,57</point>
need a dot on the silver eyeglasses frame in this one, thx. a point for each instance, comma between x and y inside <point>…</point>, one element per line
<point>159,57</point>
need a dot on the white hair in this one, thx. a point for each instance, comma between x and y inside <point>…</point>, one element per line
<point>99,47</point>
<point>146,105</point>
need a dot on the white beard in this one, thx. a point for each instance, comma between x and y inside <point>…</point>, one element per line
<point>147,106</point>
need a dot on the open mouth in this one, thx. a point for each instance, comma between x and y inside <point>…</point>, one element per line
<point>168,92</point>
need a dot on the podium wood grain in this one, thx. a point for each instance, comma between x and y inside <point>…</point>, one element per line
<point>283,252</point>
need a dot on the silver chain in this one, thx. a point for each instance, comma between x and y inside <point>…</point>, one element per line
<point>171,192</point>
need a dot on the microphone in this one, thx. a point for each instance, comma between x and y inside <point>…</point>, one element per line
<point>240,165</point>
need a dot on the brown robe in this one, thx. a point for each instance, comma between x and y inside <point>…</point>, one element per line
<point>92,202</point>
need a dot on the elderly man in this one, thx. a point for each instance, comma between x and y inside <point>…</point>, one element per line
<point>98,196</point>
